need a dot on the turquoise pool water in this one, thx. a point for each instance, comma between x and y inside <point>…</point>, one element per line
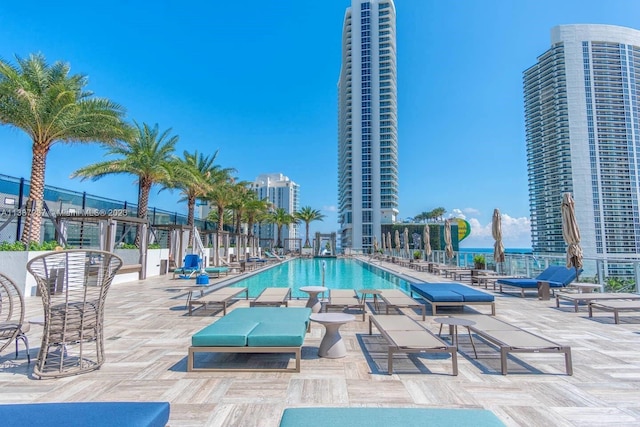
<point>339,274</point>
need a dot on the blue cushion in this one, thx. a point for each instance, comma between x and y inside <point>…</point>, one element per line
<point>450,292</point>
<point>82,414</point>
<point>563,276</point>
<point>548,272</point>
<point>520,283</point>
<point>277,334</point>
<point>387,417</point>
<point>224,334</point>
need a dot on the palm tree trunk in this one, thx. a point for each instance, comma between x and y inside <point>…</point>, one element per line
<point>307,242</point>
<point>220,225</point>
<point>33,221</point>
<point>191,207</point>
<point>143,203</point>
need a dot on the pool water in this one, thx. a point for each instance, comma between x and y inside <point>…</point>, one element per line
<point>339,273</point>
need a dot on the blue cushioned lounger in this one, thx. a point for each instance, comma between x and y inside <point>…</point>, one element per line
<point>388,417</point>
<point>557,276</point>
<point>452,294</point>
<point>82,414</point>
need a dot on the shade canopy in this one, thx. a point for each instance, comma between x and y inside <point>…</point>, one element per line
<point>375,244</point>
<point>397,240</point>
<point>571,233</point>
<point>448,247</point>
<point>496,231</point>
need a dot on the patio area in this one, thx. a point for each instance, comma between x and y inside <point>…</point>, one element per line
<point>148,332</point>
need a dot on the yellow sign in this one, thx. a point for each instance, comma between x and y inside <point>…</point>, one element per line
<point>464,229</point>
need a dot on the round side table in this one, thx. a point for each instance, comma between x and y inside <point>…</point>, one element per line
<point>332,346</point>
<point>313,302</point>
<point>453,323</point>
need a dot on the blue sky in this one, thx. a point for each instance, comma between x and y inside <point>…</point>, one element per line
<point>256,80</point>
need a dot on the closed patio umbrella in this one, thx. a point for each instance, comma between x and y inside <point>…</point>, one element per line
<point>571,233</point>
<point>406,241</point>
<point>496,231</point>
<point>384,242</point>
<point>389,247</point>
<point>427,241</point>
<point>448,247</point>
<point>397,240</point>
<point>375,244</point>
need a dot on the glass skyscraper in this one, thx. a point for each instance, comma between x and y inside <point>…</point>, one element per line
<point>583,137</point>
<point>367,123</point>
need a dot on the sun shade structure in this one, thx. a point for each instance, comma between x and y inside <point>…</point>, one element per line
<point>448,247</point>
<point>571,233</point>
<point>375,244</point>
<point>496,231</point>
<point>397,240</point>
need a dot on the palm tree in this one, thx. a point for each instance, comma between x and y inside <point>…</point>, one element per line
<point>195,183</point>
<point>255,209</point>
<point>242,195</point>
<point>280,218</point>
<point>308,215</point>
<point>149,156</point>
<point>220,196</point>
<point>52,106</point>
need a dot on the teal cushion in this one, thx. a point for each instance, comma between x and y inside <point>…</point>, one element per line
<point>388,417</point>
<point>277,334</point>
<point>276,314</point>
<point>224,334</point>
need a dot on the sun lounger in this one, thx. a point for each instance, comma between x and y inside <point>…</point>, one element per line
<point>588,297</point>
<point>220,296</point>
<point>388,417</point>
<point>252,330</point>
<point>405,335</point>
<point>344,298</point>
<point>452,294</point>
<point>273,297</point>
<point>616,306</point>
<point>215,272</point>
<point>556,277</point>
<point>395,298</point>
<point>511,339</point>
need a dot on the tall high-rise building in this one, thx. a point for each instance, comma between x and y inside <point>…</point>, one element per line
<point>282,193</point>
<point>367,123</point>
<point>582,116</point>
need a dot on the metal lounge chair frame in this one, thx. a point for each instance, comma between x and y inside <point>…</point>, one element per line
<point>343,299</point>
<point>220,297</point>
<point>12,325</point>
<point>405,335</point>
<point>395,298</point>
<point>274,297</point>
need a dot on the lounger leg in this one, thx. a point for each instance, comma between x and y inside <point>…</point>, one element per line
<point>390,361</point>
<point>503,360</point>
<point>454,361</point>
<point>590,310</point>
<point>224,308</point>
<point>616,317</point>
<point>298,357</point>
<point>493,309</point>
<point>567,361</point>
<point>575,305</point>
<point>472,343</point>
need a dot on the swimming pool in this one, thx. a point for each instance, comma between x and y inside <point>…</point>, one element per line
<point>340,273</point>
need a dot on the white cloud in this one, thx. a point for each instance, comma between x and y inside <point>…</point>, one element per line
<point>457,213</point>
<point>471,211</point>
<point>516,233</point>
<point>330,208</point>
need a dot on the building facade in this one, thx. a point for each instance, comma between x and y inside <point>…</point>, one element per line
<point>582,119</point>
<point>282,193</point>
<point>367,123</point>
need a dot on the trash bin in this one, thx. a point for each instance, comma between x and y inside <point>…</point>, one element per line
<point>164,263</point>
<point>543,291</point>
<point>202,279</point>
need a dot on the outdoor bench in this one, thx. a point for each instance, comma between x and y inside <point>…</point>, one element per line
<point>452,294</point>
<point>253,330</point>
<point>82,414</point>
